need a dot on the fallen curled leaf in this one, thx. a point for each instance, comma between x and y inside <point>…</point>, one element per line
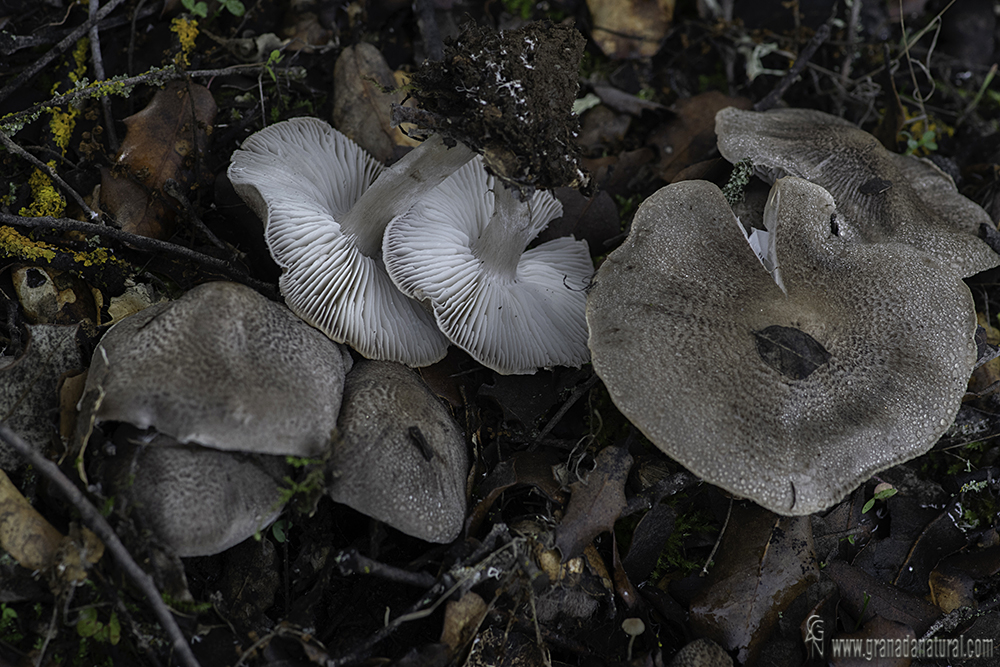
<point>49,296</point>
<point>630,28</point>
<point>596,502</point>
<point>764,563</point>
<point>865,596</point>
<point>689,136</point>
<point>165,141</point>
<point>364,91</point>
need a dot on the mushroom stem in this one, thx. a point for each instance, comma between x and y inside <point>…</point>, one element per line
<point>398,188</point>
<point>507,234</point>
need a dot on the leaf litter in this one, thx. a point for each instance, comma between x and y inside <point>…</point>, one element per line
<point>536,576</point>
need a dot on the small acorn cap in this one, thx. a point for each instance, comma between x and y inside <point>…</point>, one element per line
<point>196,501</point>
<point>887,197</point>
<point>790,398</point>
<point>462,248</point>
<point>400,458</point>
<point>325,204</point>
<point>221,367</point>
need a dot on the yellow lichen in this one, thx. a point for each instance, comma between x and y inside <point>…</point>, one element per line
<point>45,198</point>
<point>15,245</point>
<point>63,122</point>
<point>187,31</point>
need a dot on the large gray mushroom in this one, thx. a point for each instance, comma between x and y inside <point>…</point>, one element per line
<point>791,398</point>
<point>885,196</point>
<point>222,367</point>
<point>401,457</point>
<point>227,384</point>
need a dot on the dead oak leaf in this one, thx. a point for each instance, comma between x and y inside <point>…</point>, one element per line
<point>596,502</point>
<point>165,141</point>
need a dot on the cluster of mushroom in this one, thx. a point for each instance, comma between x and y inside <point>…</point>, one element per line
<point>844,349</point>
<point>214,391</point>
<point>363,248</point>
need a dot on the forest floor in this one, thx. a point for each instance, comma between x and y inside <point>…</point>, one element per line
<point>145,156</point>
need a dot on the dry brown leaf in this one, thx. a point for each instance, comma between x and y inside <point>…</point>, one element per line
<point>361,105</point>
<point>461,622</point>
<point>166,140</point>
<point>596,502</point>
<point>764,562</point>
<point>630,28</point>
<point>689,137</point>
<point>24,533</point>
<point>861,592</point>
<point>875,634</point>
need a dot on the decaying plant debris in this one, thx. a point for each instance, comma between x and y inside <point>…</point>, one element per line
<point>582,543</point>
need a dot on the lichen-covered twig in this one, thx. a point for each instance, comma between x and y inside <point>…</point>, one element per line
<point>805,55</point>
<point>143,243</point>
<point>31,70</point>
<point>17,150</point>
<point>91,516</point>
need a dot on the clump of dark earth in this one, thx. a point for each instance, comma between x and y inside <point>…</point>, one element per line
<point>509,96</point>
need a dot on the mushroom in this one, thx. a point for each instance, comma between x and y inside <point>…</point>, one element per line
<point>462,248</point>
<point>222,367</point>
<point>886,196</point>
<point>633,627</point>
<point>401,457</point>
<point>790,398</point>
<point>213,391</point>
<point>326,205</point>
<point>196,501</point>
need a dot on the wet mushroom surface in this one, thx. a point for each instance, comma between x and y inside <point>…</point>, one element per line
<point>791,397</point>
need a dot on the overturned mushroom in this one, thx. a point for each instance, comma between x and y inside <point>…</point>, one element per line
<point>218,375</point>
<point>401,457</point>
<point>790,399</point>
<point>462,248</point>
<point>886,197</point>
<point>325,204</point>
<point>313,188</point>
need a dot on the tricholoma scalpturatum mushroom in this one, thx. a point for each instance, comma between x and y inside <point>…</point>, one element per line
<point>789,395</point>
<point>326,206</point>
<point>219,375</point>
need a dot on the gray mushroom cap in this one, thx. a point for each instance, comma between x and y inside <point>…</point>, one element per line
<point>401,457</point>
<point>463,248</point>
<point>885,195</point>
<point>222,367</point>
<point>196,501</point>
<point>686,331</point>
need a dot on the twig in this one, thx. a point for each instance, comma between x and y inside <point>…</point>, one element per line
<point>121,86</point>
<point>17,150</point>
<point>142,243</point>
<point>349,562</point>
<point>97,523</point>
<point>173,188</point>
<point>772,98</point>
<point>95,55</point>
<point>725,524</point>
<point>570,402</point>
<point>31,70</point>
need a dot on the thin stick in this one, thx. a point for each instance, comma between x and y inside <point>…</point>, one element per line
<point>772,98</point>
<point>142,243</point>
<point>17,150</point>
<point>31,70</point>
<point>97,523</point>
<point>95,55</point>
<point>155,77</point>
